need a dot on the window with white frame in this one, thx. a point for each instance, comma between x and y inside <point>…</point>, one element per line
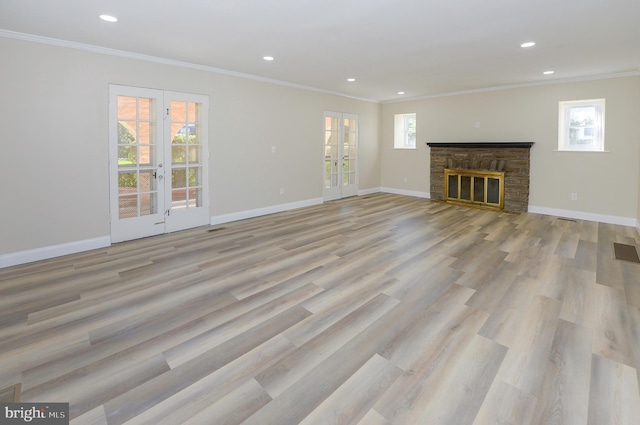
<point>581,125</point>
<point>404,131</point>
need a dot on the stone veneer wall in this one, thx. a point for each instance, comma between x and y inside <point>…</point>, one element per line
<point>516,176</point>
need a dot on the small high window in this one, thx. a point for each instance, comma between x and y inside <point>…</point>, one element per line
<point>581,125</point>
<point>404,131</point>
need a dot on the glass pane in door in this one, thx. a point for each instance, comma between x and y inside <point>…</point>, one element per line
<point>465,188</point>
<point>137,183</point>
<point>349,151</point>
<point>493,191</point>
<point>478,189</point>
<point>331,135</point>
<point>186,155</point>
<point>453,187</point>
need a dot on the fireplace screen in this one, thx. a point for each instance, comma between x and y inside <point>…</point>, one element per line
<point>482,188</point>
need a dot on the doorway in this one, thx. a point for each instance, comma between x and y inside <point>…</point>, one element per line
<point>158,161</point>
<point>340,155</point>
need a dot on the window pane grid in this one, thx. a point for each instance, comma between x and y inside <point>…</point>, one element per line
<point>137,185</point>
<point>581,125</point>
<point>186,155</point>
<point>331,151</point>
<point>405,126</point>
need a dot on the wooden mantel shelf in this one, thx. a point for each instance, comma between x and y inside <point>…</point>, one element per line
<point>491,145</point>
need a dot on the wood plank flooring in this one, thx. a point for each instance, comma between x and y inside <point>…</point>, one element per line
<point>382,309</point>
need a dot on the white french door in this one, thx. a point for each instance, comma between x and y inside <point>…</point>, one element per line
<point>340,155</point>
<point>157,161</point>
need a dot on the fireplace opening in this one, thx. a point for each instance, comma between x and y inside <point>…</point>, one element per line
<point>475,187</point>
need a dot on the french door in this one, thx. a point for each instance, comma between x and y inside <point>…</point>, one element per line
<point>340,155</point>
<point>158,161</point>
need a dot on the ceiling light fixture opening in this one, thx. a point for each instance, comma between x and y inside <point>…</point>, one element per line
<point>351,80</point>
<point>528,44</point>
<point>108,18</point>
<point>268,58</point>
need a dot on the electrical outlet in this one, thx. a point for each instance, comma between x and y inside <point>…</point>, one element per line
<point>574,196</point>
<point>274,149</point>
<point>406,180</point>
<point>282,191</point>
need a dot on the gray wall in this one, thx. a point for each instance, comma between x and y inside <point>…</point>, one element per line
<point>54,161</point>
<point>54,120</point>
<point>607,183</point>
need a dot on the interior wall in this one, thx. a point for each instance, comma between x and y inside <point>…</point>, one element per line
<point>638,216</point>
<point>606,183</point>
<point>54,162</point>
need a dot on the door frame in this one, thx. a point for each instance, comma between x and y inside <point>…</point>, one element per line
<point>165,219</point>
<point>341,190</point>
<point>180,219</point>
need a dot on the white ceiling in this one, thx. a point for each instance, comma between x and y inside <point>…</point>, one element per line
<point>421,47</point>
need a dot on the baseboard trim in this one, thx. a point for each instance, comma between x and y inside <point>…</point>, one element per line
<point>406,192</point>
<point>242,215</point>
<point>579,215</point>
<point>365,192</point>
<point>31,255</point>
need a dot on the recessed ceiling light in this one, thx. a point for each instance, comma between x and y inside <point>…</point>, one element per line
<point>108,18</point>
<point>351,80</point>
<point>400,92</point>
<point>528,44</point>
<point>268,58</point>
<point>548,72</point>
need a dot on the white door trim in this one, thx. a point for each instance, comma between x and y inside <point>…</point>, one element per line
<point>163,218</point>
<point>333,185</point>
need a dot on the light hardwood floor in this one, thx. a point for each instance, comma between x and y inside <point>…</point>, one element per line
<point>382,309</point>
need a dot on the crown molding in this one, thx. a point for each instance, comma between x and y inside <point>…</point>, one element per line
<point>522,85</point>
<point>156,59</point>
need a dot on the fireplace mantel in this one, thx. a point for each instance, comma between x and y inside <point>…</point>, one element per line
<point>490,145</point>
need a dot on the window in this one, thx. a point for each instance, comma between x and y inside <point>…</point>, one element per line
<point>404,131</point>
<point>581,125</point>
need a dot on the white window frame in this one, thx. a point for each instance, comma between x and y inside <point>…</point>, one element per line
<point>402,131</point>
<point>566,126</point>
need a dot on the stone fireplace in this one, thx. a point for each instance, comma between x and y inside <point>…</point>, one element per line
<point>467,158</point>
